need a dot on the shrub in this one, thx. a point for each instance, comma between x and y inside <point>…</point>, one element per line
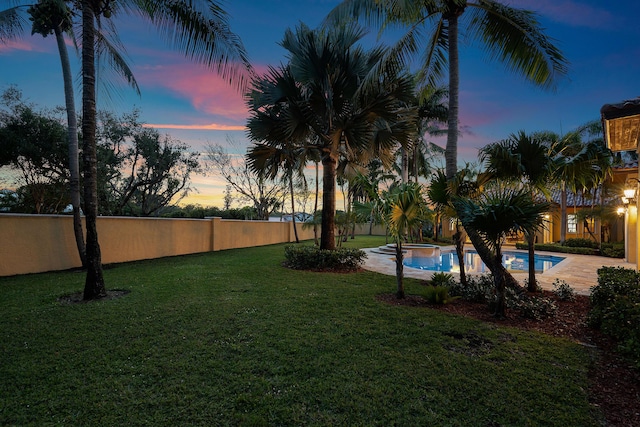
<point>613,282</point>
<point>536,308</point>
<point>563,291</point>
<point>615,308</point>
<point>438,295</point>
<point>578,242</point>
<point>612,250</point>
<point>537,287</point>
<point>304,257</point>
<point>478,289</point>
<point>442,279</point>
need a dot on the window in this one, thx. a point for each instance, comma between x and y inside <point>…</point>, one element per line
<point>452,224</point>
<point>572,223</point>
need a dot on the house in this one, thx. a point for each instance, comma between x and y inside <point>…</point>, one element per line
<point>621,126</point>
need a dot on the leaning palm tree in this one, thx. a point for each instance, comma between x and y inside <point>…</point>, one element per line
<point>318,99</point>
<point>405,213</point>
<point>527,160</point>
<point>508,34</point>
<point>490,218</point>
<point>200,29</point>
<point>441,193</point>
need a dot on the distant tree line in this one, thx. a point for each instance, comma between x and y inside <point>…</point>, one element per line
<point>140,171</point>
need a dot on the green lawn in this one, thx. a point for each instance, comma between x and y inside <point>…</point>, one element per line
<point>233,338</point>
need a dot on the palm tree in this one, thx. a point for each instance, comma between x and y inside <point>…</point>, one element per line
<point>581,161</point>
<point>519,158</point>
<point>406,212</point>
<point>55,17</point>
<point>511,35</point>
<point>273,159</point>
<point>490,218</point>
<point>432,111</point>
<point>318,99</point>
<point>198,28</point>
<point>441,193</point>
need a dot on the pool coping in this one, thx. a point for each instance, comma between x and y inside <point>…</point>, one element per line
<point>579,271</point>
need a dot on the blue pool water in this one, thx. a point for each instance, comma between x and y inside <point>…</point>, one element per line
<point>513,261</point>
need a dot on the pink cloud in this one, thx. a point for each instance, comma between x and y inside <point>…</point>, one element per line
<point>570,12</point>
<point>206,91</point>
<point>23,45</point>
<point>211,126</point>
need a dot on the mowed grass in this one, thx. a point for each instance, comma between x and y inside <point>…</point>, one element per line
<point>233,338</point>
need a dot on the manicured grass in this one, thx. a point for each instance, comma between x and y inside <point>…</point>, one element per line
<point>233,338</point>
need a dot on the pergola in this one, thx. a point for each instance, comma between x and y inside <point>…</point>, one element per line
<point>621,126</point>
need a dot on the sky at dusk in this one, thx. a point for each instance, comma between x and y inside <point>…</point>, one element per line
<point>600,39</point>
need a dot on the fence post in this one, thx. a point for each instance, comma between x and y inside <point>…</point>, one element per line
<point>216,229</point>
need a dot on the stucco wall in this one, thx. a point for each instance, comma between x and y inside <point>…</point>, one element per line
<point>37,243</point>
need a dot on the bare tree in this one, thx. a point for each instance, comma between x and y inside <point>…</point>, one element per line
<point>265,194</point>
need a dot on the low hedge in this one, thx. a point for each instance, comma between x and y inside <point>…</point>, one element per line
<point>615,308</point>
<point>580,247</point>
<point>305,257</point>
<point>554,247</point>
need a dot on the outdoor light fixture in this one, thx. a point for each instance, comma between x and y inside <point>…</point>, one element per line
<point>621,210</point>
<point>631,187</point>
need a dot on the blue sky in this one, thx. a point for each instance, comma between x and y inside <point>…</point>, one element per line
<point>600,39</point>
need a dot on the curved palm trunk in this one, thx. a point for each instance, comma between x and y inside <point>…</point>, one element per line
<point>94,286</point>
<point>328,233</point>
<point>74,162</point>
<point>491,260</point>
<point>458,239</point>
<point>499,281</point>
<point>451,151</point>
<point>399,269</point>
<point>563,213</point>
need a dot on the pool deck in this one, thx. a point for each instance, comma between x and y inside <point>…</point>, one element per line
<point>579,271</point>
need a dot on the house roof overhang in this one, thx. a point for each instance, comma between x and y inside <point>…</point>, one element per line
<point>621,125</point>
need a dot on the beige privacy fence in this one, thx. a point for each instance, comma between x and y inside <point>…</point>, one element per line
<point>37,243</point>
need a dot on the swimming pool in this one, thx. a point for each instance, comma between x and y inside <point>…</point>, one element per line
<point>513,261</point>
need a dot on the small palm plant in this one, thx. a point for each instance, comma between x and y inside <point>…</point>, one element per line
<point>491,217</point>
<point>406,212</point>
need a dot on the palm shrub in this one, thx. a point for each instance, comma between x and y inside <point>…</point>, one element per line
<point>405,212</point>
<point>442,279</point>
<point>490,218</point>
<point>439,295</point>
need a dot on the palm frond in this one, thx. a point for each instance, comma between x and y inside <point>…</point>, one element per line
<point>515,37</point>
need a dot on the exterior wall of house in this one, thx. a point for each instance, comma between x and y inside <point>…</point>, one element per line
<point>38,243</point>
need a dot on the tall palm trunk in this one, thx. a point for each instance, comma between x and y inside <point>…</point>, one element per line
<point>451,151</point>
<point>328,233</point>
<point>94,286</point>
<point>293,208</point>
<point>563,212</point>
<point>531,241</point>
<point>74,162</point>
<point>315,207</point>
<point>399,269</point>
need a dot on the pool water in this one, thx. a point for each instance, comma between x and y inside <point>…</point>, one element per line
<point>513,261</point>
